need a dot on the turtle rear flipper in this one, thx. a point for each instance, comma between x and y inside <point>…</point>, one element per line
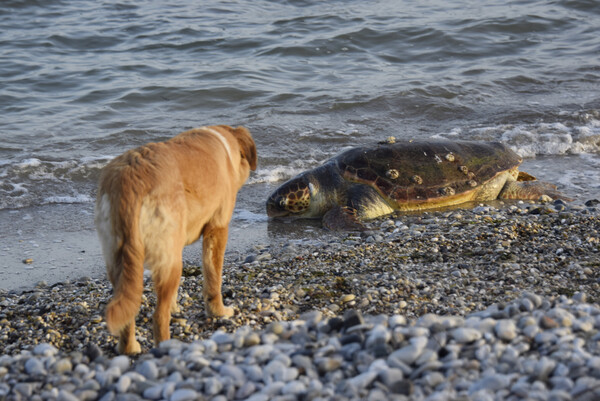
<point>342,218</point>
<point>523,176</point>
<point>533,190</point>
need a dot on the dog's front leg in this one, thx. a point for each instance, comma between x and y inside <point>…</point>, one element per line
<point>213,251</point>
<point>127,343</point>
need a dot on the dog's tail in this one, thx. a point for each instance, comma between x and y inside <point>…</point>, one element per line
<point>127,274</point>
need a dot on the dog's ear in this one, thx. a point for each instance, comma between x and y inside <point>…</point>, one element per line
<point>247,146</point>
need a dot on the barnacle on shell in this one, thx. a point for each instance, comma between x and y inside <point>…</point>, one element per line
<point>446,191</point>
<point>416,179</point>
<point>392,174</point>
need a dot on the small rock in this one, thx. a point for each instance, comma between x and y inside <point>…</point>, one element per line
<point>24,389</point>
<point>506,329</point>
<point>363,380</point>
<point>295,387</point>
<point>251,339</point>
<point>184,394</point>
<point>245,391</point>
<point>347,298</point>
<point>34,367</point>
<point>352,318</point>
<point>155,392</point>
<point>123,384</point>
<point>212,387</point>
<point>409,353</point>
<point>237,374</point>
<point>547,322</point>
<point>122,362</point>
<point>93,351</point>
<point>465,335</point>
<point>45,350</point>
<point>493,382</point>
<point>63,365</point>
<point>65,395</point>
<point>325,365</point>
<point>148,369</point>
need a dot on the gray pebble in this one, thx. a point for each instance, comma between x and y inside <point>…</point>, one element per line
<point>506,329</point>
<point>61,366</point>
<point>295,387</point>
<point>123,384</point>
<point>45,350</point>
<point>236,373</point>
<point>363,380</point>
<point>148,369</point>
<point>24,389</point>
<point>34,367</point>
<point>155,392</point>
<point>64,395</point>
<point>245,391</point>
<point>122,362</point>
<point>408,354</point>
<point>184,394</point>
<point>212,386</point>
<point>491,383</point>
<point>464,335</point>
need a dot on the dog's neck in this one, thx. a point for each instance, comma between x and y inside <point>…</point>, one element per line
<point>222,139</point>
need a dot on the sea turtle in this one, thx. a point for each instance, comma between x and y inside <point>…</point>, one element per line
<point>366,182</point>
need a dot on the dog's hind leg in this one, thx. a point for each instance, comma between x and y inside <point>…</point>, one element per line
<point>166,285</point>
<point>213,251</point>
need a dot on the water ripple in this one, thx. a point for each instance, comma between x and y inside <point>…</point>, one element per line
<point>86,78</point>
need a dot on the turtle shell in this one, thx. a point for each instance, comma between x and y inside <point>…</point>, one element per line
<point>418,172</point>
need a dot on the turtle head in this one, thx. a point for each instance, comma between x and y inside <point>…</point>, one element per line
<point>291,199</point>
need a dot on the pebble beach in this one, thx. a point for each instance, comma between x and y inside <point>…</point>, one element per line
<point>493,302</point>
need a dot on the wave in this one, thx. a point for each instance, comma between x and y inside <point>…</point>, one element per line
<point>35,181</point>
<point>540,139</point>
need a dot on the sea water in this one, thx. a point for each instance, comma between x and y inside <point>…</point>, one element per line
<point>80,82</point>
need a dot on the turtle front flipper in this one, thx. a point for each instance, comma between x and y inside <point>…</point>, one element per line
<point>362,202</point>
<point>342,218</point>
<point>532,190</point>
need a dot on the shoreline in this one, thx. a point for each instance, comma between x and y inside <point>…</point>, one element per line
<point>518,260</point>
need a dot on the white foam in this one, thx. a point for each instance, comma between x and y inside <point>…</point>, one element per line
<point>81,198</point>
<point>454,133</point>
<point>530,140</point>
<point>18,188</point>
<point>275,174</point>
<point>33,162</point>
<point>35,181</point>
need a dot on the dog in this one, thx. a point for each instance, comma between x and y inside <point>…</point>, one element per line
<point>154,200</point>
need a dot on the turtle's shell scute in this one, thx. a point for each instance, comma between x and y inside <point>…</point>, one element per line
<point>420,171</point>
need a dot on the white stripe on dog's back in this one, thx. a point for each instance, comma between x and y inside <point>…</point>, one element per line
<point>222,139</point>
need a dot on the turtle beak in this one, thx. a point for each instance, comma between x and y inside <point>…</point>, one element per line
<point>276,206</point>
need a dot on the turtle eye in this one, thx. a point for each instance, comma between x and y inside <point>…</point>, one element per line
<point>282,202</point>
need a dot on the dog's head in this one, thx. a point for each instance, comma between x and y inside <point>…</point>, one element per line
<point>247,146</point>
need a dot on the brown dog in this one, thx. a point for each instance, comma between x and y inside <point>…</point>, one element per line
<point>154,200</point>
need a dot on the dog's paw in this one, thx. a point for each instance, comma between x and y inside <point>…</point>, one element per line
<point>222,312</point>
<point>175,309</point>
<point>131,348</point>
